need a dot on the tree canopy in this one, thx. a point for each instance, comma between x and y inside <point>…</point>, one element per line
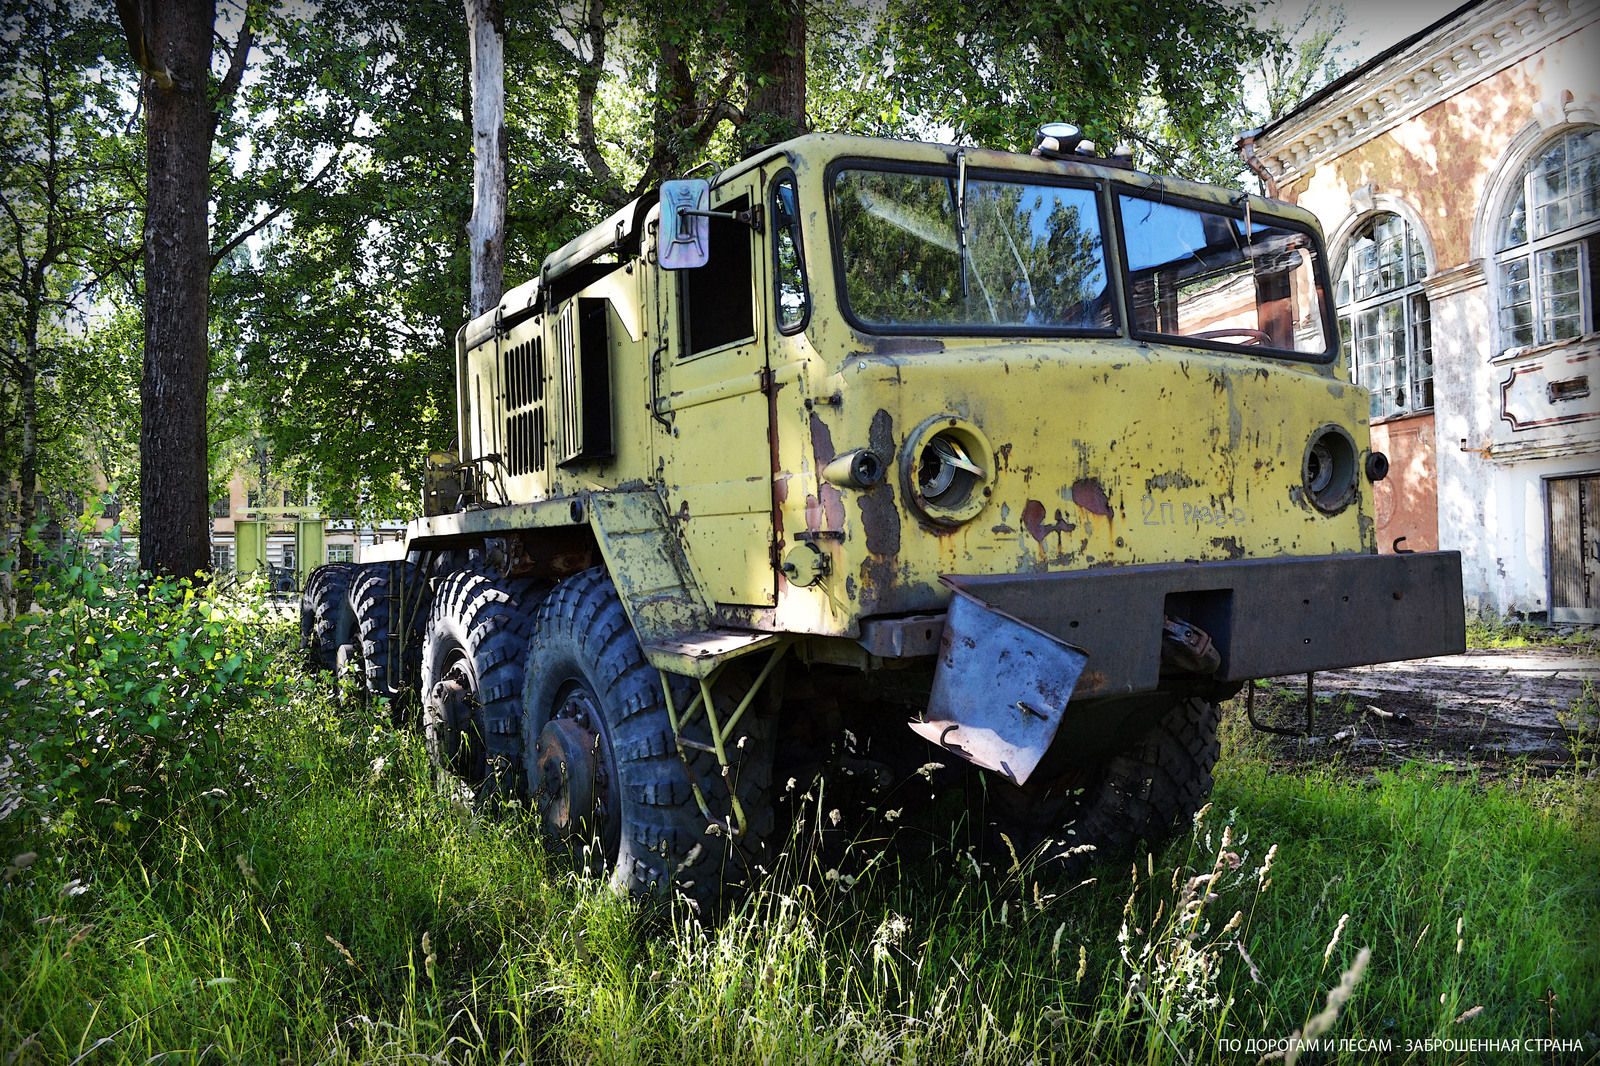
<point>341,167</point>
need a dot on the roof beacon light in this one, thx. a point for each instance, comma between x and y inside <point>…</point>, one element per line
<point>1057,140</point>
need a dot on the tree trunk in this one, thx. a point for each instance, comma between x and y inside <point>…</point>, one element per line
<point>776,80</point>
<point>486,229</point>
<point>174,523</point>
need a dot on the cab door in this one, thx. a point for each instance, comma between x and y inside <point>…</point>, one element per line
<point>717,459</point>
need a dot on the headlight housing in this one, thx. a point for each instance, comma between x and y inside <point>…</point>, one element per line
<point>947,469</point>
<point>1330,468</point>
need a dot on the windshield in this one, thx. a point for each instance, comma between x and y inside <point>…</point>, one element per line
<point>1030,258</point>
<point>1195,273</point>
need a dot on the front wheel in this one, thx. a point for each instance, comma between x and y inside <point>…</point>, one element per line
<point>1145,793</point>
<point>604,769</point>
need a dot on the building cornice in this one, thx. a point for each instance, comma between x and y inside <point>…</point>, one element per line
<point>1467,276</point>
<point>1478,44</point>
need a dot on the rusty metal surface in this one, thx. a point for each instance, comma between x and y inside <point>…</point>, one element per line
<point>999,689</point>
<point>1267,617</point>
<point>903,638</point>
<point>461,527</point>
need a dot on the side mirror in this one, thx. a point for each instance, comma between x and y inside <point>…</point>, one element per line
<point>685,240</point>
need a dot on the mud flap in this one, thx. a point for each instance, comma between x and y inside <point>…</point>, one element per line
<point>1000,689</point>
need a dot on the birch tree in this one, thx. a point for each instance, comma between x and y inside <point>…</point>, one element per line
<point>486,229</point>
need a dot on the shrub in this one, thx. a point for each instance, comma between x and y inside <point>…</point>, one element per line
<point>117,694</point>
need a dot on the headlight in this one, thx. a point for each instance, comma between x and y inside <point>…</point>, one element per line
<point>947,469</point>
<point>1329,469</point>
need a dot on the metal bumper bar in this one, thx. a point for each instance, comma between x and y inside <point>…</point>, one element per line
<point>1267,617</point>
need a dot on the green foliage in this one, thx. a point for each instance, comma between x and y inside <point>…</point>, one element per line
<point>120,698</point>
<point>996,69</point>
<point>353,907</point>
<point>1484,631</point>
<point>68,232</point>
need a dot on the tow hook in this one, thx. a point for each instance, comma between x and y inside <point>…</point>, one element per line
<point>1187,649</point>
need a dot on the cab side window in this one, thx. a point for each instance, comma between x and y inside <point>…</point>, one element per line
<point>718,298</point>
<point>789,291</point>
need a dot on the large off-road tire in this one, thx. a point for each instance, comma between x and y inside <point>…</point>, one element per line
<point>472,658</point>
<point>588,681</point>
<point>1145,793</point>
<point>325,620</point>
<point>385,667</point>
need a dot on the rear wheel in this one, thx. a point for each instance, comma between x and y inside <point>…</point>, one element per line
<point>472,660</point>
<point>1146,792</point>
<point>385,664</point>
<point>322,609</point>
<point>603,768</point>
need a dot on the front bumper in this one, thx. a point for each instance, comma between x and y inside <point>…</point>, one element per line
<point>1267,617</point>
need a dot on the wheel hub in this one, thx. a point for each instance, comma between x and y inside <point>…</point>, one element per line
<point>448,708</point>
<point>567,791</point>
<point>572,776</point>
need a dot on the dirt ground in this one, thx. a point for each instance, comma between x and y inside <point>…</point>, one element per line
<point>1490,708</point>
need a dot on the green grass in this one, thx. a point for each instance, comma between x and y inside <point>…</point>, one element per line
<point>1485,633</point>
<point>287,923</point>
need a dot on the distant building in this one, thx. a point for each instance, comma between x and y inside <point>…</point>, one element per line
<point>284,542</point>
<point>1457,176</point>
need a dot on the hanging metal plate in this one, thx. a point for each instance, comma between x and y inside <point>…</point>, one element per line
<point>999,689</point>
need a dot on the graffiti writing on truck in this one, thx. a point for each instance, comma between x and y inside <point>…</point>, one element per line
<point>1165,514</point>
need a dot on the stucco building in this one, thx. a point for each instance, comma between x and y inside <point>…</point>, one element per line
<point>1457,176</point>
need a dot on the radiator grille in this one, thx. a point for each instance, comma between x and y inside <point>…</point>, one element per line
<point>522,382</point>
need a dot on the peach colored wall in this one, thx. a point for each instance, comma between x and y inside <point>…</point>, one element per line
<point>1406,503</point>
<point>1438,162</point>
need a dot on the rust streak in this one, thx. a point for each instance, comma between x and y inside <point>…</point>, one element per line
<point>1088,494</point>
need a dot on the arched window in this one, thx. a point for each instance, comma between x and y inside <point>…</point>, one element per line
<point>1548,243</point>
<point>1383,316</point>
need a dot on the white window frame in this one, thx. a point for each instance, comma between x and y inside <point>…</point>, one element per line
<point>1534,247</point>
<point>1415,316</point>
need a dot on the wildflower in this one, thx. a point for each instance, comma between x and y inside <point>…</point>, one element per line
<point>1337,998</point>
<point>349,959</point>
<point>429,957</point>
<point>247,870</point>
<point>1328,953</point>
<point>1266,864</point>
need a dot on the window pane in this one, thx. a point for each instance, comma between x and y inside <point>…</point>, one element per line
<point>1390,341</point>
<point>1421,353</point>
<point>718,306</point>
<point>1565,177</point>
<point>1197,273</point>
<point>1514,228</point>
<point>1561,304</point>
<point>789,272</point>
<point>1033,256</point>
<point>1516,303</point>
<point>1380,350</point>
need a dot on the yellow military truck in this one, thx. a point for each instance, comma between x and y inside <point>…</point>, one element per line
<point>864,455</point>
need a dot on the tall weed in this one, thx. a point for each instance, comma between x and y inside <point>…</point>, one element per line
<point>119,694</point>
